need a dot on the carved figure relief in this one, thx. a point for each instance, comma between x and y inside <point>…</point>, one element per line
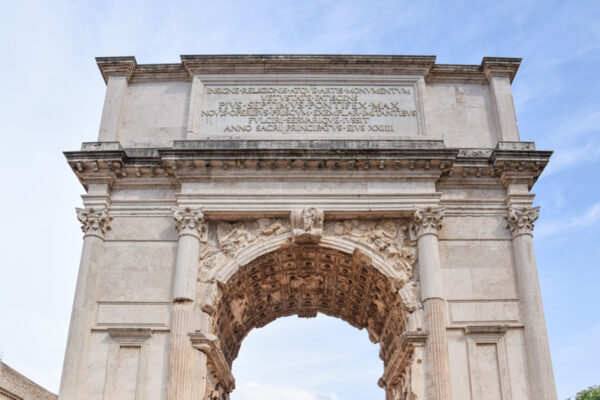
<point>307,225</point>
<point>303,278</point>
<point>386,236</point>
<point>232,237</point>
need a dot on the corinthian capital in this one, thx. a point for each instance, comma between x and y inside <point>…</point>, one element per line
<point>307,225</point>
<point>521,220</point>
<point>94,222</point>
<point>190,221</point>
<point>428,220</point>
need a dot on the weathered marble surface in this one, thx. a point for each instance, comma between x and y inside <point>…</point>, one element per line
<point>14,386</point>
<point>196,233</point>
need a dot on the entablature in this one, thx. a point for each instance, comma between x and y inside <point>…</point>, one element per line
<point>199,160</point>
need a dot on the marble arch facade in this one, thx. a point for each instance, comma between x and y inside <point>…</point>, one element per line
<point>227,191</point>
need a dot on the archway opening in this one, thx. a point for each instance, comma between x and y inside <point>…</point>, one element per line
<point>304,280</point>
<point>320,358</point>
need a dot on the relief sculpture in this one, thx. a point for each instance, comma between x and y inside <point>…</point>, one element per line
<point>387,236</point>
<point>232,237</point>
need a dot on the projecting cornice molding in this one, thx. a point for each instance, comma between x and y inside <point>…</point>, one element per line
<point>309,64</point>
<point>414,159</point>
<point>116,66</point>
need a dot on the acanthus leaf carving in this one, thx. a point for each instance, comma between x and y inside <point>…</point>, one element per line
<point>426,221</point>
<point>522,220</point>
<point>307,225</point>
<point>94,221</point>
<point>190,221</point>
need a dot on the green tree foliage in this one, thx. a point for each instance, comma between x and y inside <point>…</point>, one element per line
<point>591,393</point>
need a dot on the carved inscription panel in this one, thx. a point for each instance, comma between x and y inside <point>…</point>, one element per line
<point>305,109</point>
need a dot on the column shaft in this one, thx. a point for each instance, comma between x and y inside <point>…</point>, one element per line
<point>425,227</point>
<point>74,373</point>
<point>179,382</point>
<point>434,309</point>
<point>191,229</point>
<point>536,337</point>
<point>437,347</point>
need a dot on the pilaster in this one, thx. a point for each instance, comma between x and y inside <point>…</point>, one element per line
<point>116,72</point>
<point>499,74</point>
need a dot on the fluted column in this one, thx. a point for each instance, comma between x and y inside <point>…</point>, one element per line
<point>521,223</point>
<point>425,226</point>
<point>192,231</point>
<point>94,223</point>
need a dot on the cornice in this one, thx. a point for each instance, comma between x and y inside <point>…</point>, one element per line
<point>116,66</point>
<point>415,159</point>
<point>489,67</point>
<point>252,64</point>
<point>500,66</point>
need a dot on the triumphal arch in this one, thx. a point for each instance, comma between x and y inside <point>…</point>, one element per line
<point>227,191</point>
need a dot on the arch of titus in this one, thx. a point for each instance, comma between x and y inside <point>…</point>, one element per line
<point>227,191</point>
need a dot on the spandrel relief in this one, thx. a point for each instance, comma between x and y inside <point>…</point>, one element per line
<point>387,236</point>
<point>231,237</point>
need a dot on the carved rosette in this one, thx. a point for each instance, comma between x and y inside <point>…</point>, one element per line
<point>521,220</point>
<point>307,225</point>
<point>94,222</point>
<point>190,221</point>
<point>426,221</point>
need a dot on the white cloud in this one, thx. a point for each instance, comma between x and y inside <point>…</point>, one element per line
<point>257,391</point>
<point>569,157</point>
<point>589,217</point>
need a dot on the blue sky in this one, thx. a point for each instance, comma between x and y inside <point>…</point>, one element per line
<point>51,101</point>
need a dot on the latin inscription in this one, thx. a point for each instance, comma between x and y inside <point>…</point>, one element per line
<point>309,109</point>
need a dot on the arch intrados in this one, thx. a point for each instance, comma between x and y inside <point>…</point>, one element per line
<point>284,279</point>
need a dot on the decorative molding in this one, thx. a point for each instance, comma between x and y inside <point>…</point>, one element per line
<point>116,66</point>
<point>521,220</point>
<point>397,372</point>
<point>190,221</point>
<point>126,338</point>
<point>426,221</point>
<point>94,222</point>
<point>280,64</point>
<point>307,225</point>
<point>209,344</point>
<point>189,159</point>
<point>490,335</point>
<point>9,395</point>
